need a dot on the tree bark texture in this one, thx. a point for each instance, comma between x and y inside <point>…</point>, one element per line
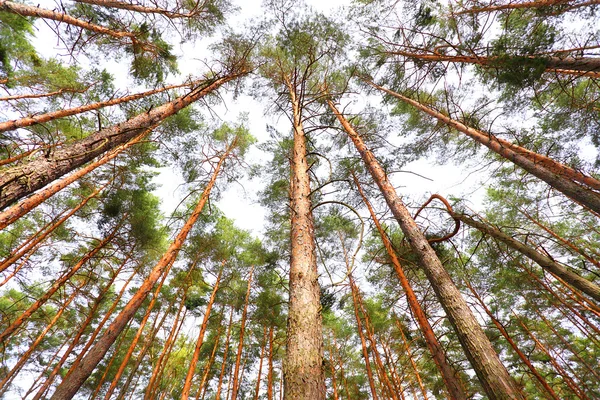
<point>303,374</point>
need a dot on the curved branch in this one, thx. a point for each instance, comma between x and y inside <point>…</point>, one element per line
<point>450,211</point>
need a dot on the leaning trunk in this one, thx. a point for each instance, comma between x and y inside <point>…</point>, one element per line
<point>494,378</point>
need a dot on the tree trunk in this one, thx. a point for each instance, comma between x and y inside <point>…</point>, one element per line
<point>57,285</point>
<point>30,11</point>
<point>363,341</point>
<point>238,358</point>
<point>106,317</point>
<point>156,376</point>
<point>302,370</point>
<point>202,387</point>
<point>136,338</point>
<point>449,376</point>
<point>224,361</point>
<point>270,371</point>
<point>22,180</point>
<point>588,66</point>
<point>527,4</point>
<point>494,378</point>
<point>196,11</point>
<point>557,175</point>
<point>260,364</point>
<point>514,346</point>
<point>69,387</point>
<point>192,368</point>
<point>51,116</point>
<point>542,260</point>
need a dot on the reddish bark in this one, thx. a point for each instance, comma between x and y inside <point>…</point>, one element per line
<point>136,338</point>
<point>6,381</point>
<point>584,66</point>
<point>30,11</point>
<point>238,358</point>
<point>449,376</point>
<point>22,180</point>
<point>198,9</point>
<point>69,387</point>
<point>260,363</point>
<point>412,361</point>
<point>270,364</point>
<point>209,363</point>
<point>50,116</point>
<point>224,360</point>
<point>493,376</point>
<point>511,5</point>
<point>192,368</point>
<point>542,260</point>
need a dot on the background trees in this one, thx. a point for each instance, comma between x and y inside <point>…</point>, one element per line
<point>114,288</point>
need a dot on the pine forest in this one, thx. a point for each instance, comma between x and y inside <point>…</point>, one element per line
<point>300,199</point>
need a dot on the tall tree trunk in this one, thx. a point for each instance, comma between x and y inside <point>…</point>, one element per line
<point>136,338</point>
<point>557,175</point>
<point>30,11</point>
<point>588,66</point>
<point>225,351</point>
<point>192,368</point>
<point>564,241</point>
<point>302,370</point>
<point>333,377</point>
<point>69,387</point>
<point>238,358</point>
<point>449,376</point>
<point>202,387</point>
<point>542,260</point>
<point>270,364</point>
<point>514,346</point>
<point>22,250</point>
<point>198,9</point>
<point>106,317</point>
<point>24,179</point>
<point>155,378</point>
<point>494,378</point>
<point>260,363</point>
<point>363,342</point>
<point>51,116</point>
<point>527,4</point>
<point>568,346</point>
<point>57,285</point>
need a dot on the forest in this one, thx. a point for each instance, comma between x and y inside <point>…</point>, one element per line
<point>293,199</point>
